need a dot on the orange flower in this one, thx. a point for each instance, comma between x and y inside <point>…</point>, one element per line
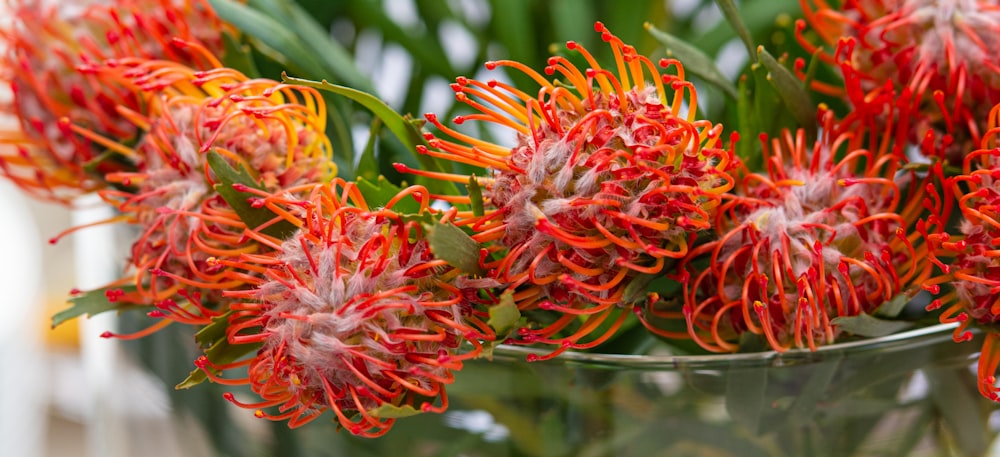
<point>47,45</point>
<point>272,131</point>
<point>353,314</point>
<point>609,179</point>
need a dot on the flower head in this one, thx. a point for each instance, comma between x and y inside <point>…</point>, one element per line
<point>353,314</point>
<point>48,43</point>
<point>940,52</point>
<point>608,179</point>
<point>272,132</point>
<point>826,233</point>
<point>969,260</point>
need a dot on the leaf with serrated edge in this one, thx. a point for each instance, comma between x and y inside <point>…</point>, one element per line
<point>694,60</point>
<point>92,303</point>
<point>451,244</point>
<point>222,352</point>
<point>389,411</point>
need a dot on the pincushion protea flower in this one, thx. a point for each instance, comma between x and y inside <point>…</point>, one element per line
<point>46,42</point>
<point>608,180</point>
<point>353,313</point>
<point>942,52</point>
<point>970,260</point>
<point>273,131</point>
<point>828,232</point>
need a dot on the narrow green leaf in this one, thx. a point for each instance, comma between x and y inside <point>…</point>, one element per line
<point>504,317</point>
<point>213,338</point>
<point>694,60</point>
<point>404,129</point>
<point>213,332</point>
<point>389,411</point>
<point>869,326</point>
<point>746,124</point>
<point>252,217</point>
<point>456,247</point>
<point>892,308</point>
<point>513,27</point>
<point>476,196</point>
<point>768,113</point>
<point>955,396</point>
<point>380,192</point>
<point>269,36</point>
<point>92,303</point>
<point>222,352</point>
<point>367,164</point>
<point>336,61</point>
<point>237,55</point>
<point>790,89</point>
<point>636,291</point>
<point>732,14</point>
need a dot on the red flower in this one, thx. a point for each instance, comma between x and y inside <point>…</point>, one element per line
<point>608,180</point>
<point>46,46</point>
<point>353,314</point>
<point>827,232</point>
<point>971,261</point>
<point>940,53</point>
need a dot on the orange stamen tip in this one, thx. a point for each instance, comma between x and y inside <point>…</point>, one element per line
<point>107,335</point>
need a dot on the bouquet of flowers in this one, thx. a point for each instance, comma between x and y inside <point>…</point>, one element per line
<point>835,181</point>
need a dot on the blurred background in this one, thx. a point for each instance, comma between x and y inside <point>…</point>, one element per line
<point>67,392</point>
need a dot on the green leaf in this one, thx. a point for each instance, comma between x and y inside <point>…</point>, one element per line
<point>390,411</point>
<point>213,332</point>
<point>456,247</point>
<point>732,14</point>
<point>746,387</point>
<point>504,318</point>
<point>790,89</point>
<point>367,164</point>
<point>404,130</point>
<point>694,60</point>
<point>956,398</point>
<point>335,60</point>
<point>252,217</point>
<point>869,326</point>
<point>380,192</point>
<point>269,36</point>
<point>504,315</point>
<point>892,308</point>
<point>222,352</point>
<point>238,56</point>
<point>92,303</point>
<point>219,350</point>
<point>746,124</point>
<point>475,196</point>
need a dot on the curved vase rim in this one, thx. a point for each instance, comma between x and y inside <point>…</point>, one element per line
<point>886,344</point>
